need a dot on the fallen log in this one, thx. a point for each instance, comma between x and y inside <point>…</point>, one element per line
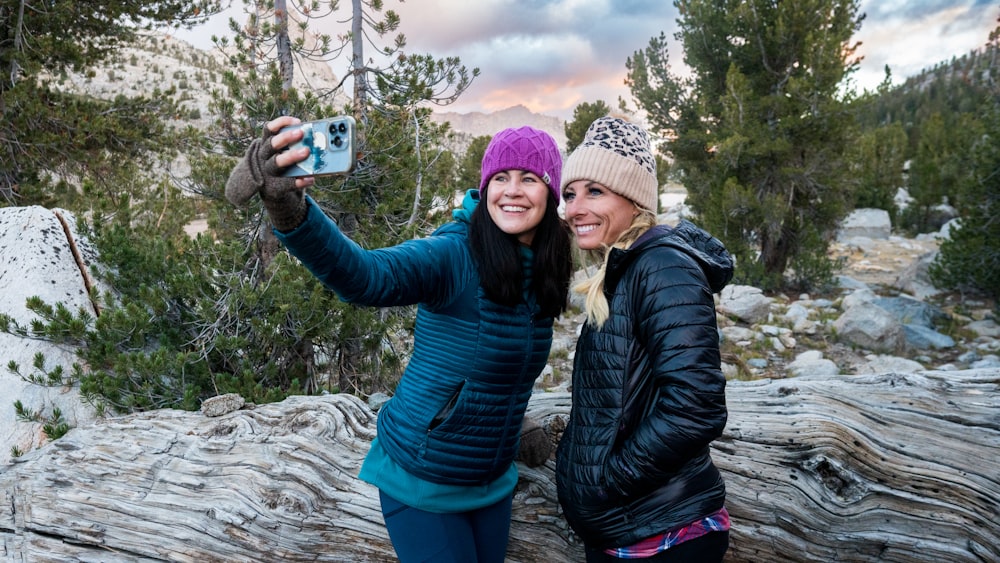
<point>888,467</point>
<point>891,467</point>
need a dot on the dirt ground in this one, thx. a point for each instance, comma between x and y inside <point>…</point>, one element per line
<point>880,261</point>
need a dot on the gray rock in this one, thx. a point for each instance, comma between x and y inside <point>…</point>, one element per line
<point>738,334</point>
<point>990,361</point>
<point>809,355</point>
<point>985,327</point>
<point>862,296</point>
<point>871,328</point>
<point>969,357</point>
<point>812,362</point>
<point>222,404</point>
<point>945,232</point>
<point>941,215</point>
<point>921,338</point>
<point>866,222</point>
<point>915,279</point>
<point>796,313</point>
<point>911,311</point>
<point>820,367</point>
<point>892,364</point>
<point>37,259</point>
<point>902,199</point>
<point>847,282</point>
<point>376,400</point>
<point>746,303</point>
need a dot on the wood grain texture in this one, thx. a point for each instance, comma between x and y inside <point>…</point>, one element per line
<point>888,467</point>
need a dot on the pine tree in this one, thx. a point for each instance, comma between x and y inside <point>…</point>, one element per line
<point>51,143</point>
<point>471,166</point>
<point>970,257</point>
<point>402,180</point>
<point>191,318</point>
<point>758,131</point>
<point>583,115</point>
<point>877,160</point>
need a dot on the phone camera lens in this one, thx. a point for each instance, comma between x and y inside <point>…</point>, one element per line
<point>342,127</point>
<point>338,141</point>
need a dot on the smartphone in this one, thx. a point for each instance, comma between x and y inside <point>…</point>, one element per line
<point>331,147</point>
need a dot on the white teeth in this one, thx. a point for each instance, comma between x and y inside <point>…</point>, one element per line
<point>514,209</point>
<point>585,229</point>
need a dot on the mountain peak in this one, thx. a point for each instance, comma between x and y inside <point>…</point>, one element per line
<point>477,124</point>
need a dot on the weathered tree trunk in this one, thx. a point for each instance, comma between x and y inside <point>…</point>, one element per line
<point>892,467</point>
<point>852,468</point>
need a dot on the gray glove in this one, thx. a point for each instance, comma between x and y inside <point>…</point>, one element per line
<point>258,173</point>
<point>535,445</point>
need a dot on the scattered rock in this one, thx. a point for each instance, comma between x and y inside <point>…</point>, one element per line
<point>892,364</point>
<point>222,404</point>
<point>986,327</point>
<point>922,338</point>
<point>871,328</point>
<point>812,362</point>
<point>869,223</point>
<point>915,278</point>
<point>746,303</point>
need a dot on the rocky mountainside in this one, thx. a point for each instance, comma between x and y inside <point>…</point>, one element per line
<point>159,61</point>
<point>476,124</point>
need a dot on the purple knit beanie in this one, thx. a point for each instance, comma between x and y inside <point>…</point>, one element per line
<point>524,148</point>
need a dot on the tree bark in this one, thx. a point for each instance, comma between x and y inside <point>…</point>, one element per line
<point>890,467</point>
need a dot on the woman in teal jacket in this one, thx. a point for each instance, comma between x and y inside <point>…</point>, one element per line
<point>487,287</point>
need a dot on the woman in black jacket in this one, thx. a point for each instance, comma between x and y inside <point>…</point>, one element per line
<point>634,472</point>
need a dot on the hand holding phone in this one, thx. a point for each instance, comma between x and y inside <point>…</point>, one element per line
<point>331,147</point>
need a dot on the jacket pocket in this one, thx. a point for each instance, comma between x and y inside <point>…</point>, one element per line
<point>447,409</point>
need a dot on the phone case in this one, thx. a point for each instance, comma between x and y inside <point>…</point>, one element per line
<point>331,146</point>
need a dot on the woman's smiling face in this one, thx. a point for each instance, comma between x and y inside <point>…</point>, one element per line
<point>516,200</point>
<point>597,215</point>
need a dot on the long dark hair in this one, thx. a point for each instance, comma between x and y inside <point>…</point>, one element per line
<point>499,262</point>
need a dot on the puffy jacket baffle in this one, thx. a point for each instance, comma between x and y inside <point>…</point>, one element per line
<point>648,394</point>
<point>456,414</point>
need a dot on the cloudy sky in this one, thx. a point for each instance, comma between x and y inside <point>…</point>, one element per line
<point>551,55</point>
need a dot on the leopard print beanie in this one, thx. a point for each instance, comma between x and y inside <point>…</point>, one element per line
<point>616,154</point>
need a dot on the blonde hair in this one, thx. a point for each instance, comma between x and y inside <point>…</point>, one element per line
<point>596,304</point>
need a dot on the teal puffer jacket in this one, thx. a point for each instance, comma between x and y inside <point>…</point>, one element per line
<point>456,413</point>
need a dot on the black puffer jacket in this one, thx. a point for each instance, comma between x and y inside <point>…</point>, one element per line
<point>648,394</point>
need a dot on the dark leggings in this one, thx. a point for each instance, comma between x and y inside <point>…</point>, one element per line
<point>704,549</point>
<point>477,536</point>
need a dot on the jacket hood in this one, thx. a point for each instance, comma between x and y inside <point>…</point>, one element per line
<point>707,250</point>
<point>464,214</point>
